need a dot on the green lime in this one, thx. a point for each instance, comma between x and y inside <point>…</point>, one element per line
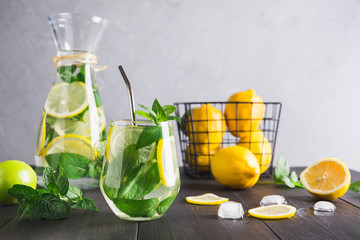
<point>121,137</point>
<point>14,172</point>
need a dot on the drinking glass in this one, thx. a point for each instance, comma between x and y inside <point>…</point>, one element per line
<point>140,175</point>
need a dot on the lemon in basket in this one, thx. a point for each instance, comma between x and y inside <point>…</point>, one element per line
<point>259,145</point>
<point>202,160</point>
<point>235,167</point>
<point>206,128</point>
<point>245,115</point>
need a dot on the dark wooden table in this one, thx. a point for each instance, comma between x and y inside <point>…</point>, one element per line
<point>187,221</point>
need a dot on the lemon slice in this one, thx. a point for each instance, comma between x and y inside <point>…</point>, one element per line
<point>41,136</point>
<point>120,137</point>
<point>167,160</point>
<point>273,212</point>
<point>206,199</point>
<point>327,179</point>
<point>70,144</point>
<point>66,100</point>
<point>82,128</point>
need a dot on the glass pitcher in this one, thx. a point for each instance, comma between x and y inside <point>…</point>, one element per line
<point>72,133</point>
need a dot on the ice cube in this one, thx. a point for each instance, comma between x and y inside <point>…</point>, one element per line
<point>324,206</point>
<point>272,200</point>
<point>231,210</point>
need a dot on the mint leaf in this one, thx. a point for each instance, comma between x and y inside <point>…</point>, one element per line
<point>282,169</point>
<point>93,172</point>
<point>355,187</point>
<point>151,112</point>
<point>298,184</point>
<point>289,183</point>
<point>55,181</point>
<point>74,165</point>
<point>144,114</point>
<point>140,182</point>
<point>165,204</point>
<point>97,98</point>
<point>294,177</point>
<point>23,193</point>
<point>88,204</point>
<point>130,159</point>
<point>137,208</point>
<point>156,107</point>
<point>26,208</point>
<point>74,192</point>
<point>53,208</point>
<point>66,69</point>
<point>53,160</point>
<point>168,109</point>
<point>148,136</point>
<point>173,118</point>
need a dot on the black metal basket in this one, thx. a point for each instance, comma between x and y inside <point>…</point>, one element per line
<point>197,163</point>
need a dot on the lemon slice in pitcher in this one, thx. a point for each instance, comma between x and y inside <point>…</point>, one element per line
<point>70,144</point>
<point>68,126</point>
<point>66,100</point>
<point>165,158</point>
<point>41,136</point>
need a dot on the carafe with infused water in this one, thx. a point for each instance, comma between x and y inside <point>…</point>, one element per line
<point>72,133</point>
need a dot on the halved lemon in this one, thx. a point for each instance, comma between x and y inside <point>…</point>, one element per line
<point>82,128</point>
<point>206,199</point>
<point>41,136</point>
<point>167,161</point>
<point>66,100</point>
<point>273,212</point>
<point>327,179</point>
<point>70,144</point>
<point>122,136</point>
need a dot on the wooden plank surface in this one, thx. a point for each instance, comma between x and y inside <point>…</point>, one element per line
<point>188,221</point>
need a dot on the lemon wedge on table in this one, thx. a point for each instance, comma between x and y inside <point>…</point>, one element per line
<point>70,144</point>
<point>121,137</point>
<point>66,100</point>
<point>327,179</point>
<point>273,212</point>
<point>82,128</point>
<point>206,199</point>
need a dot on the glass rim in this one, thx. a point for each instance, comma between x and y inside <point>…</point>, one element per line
<point>95,19</point>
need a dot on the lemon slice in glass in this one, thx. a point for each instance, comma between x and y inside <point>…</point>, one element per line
<point>66,100</point>
<point>273,212</point>
<point>165,155</point>
<point>41,136</point>
<point>206,199</point>
<point>70,144</point>
<point>120,137</point>
<point>82,128</point>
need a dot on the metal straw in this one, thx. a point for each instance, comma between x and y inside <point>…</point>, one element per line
<point>131,96</point>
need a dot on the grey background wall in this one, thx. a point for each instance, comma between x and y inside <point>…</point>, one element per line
<point>305,54</point>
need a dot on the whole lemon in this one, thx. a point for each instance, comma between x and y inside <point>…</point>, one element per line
<point>14,172</point>
<point>259,145</point>
<point>235,167</point>
<point>202,160</point>
<point>246,114</point>
<point>206,128</point>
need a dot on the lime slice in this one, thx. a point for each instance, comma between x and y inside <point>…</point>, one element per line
<point>66,100</point>
<point>70,144</point>
<point>41,136</point>
<point>82,128</point>
<point>167,161</point>
<point>121,137</point>
<point>206,199</point>
<point>273,212</point>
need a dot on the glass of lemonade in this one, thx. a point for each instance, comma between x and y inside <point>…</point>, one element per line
<point>140,175</point>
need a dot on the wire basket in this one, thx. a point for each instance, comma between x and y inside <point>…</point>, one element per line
<point>197,136</point>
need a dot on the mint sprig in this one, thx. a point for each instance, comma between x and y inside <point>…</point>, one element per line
<point>158,113</point>
<point>355,186</point>
<point>55,201</point>
<point>282,171</point>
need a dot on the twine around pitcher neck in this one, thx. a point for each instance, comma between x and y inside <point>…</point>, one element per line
<point>81,59</point>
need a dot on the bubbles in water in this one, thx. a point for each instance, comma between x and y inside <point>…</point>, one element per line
<point>231,210</point>
<point>324,206</point>
<point>272,200</point>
